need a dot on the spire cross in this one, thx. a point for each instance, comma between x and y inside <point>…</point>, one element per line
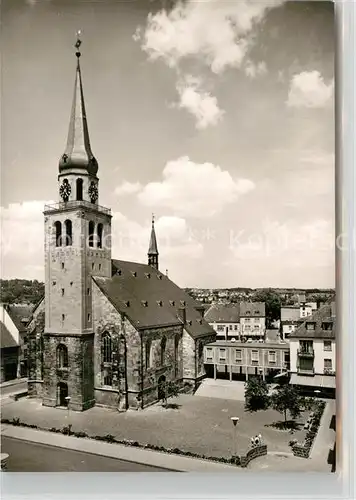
<point>153,220</point>
<point>78,43</point>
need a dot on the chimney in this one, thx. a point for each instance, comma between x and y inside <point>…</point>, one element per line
<point>201,310</point>
<point>182,314</point>
<point>333,310</point>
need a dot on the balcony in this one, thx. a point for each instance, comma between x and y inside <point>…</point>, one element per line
<point>306,353</point>
<point>305,370</point>
<point>75,204</point>
<point>329,371</point>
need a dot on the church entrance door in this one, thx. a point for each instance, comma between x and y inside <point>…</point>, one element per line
<point>161,388</point>
<point>62,394</point>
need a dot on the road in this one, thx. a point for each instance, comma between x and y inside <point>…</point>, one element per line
<point>33,457</point>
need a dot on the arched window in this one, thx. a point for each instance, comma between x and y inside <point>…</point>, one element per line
<point>62,356</point>
<point>91,233</point>
<point>100,236</point>
<point>107,380</point>
<point>163,350</point>
<point>107,348</point>
<point>58,226</point>
<point>148,353</point>
<point>68,236</point>
<point>79,189</point>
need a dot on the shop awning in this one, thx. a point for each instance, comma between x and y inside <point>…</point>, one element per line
<point>326,381</point>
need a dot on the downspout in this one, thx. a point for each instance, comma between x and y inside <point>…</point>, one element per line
<point>141,374</point>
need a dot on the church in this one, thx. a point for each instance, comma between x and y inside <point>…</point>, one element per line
<point>107,332</point>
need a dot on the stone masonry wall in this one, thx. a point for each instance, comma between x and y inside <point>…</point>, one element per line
<point>78,375</point>
<point>172,369</point>
<point>35,354</point>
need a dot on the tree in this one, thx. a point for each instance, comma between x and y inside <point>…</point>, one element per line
<point>256,395</point>
<point>286,398</point>
<point>273,304</point>
<point>170,389</point>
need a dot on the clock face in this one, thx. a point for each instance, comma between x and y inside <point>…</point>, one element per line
<point>65,190</point>
<point>93,192</point>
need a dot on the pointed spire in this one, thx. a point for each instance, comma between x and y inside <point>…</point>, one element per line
<point>78,152</point>
<point>153,248</point>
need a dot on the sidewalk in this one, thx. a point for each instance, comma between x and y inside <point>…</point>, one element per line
<point>15,381</point>
<point>130,454</point>
<point>325,439</point>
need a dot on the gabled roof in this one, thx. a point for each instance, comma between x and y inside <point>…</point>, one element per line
<point>323,315</point>
<point>252,309</point>
<point>150,299</point>
<point>6,339</point>
<point>223,313</point>
<point>20,315</point>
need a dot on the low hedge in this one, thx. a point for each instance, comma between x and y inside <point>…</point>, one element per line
<point>237,460</point>
<point>303,449</point>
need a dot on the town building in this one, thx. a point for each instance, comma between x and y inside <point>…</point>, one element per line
<point>253,320</point>
<point>237,360</point>
<point>313,352</point>
<point>290,320</point>
<point>225,320</point>
<point>14,348</point>
<point>108,332</point>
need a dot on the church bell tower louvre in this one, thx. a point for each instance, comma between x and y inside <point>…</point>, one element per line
<point>77,246</point>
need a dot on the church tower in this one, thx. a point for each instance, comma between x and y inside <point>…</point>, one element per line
<point>77,246</point>
<point>153,249</point>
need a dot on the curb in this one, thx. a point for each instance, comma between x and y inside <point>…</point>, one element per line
<point>116,451</point>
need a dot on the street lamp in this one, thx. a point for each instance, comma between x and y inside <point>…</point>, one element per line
<point>234,420</point>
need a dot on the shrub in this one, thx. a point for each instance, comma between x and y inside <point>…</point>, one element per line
<point>16,421</point>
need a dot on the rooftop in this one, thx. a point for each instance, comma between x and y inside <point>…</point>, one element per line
<point>254,345</point>
<point>150,299</point>
<point>320,318</point>
<point>223,313</point>
<point>252,309</point>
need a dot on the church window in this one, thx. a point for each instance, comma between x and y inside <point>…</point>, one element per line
<point>91,233</point>
<point>63,317</point>
<point>68,229</point>
<point>108,380</point>
<point>163,350</point>
<point>176,354</point>
<point>148,347</point>
<point>62,356</point>
<point>107,348</point>
<point>62,291</point>
<point>99,267</point>
<point>89,317</point>
<point>100,235</point>
<point>62,265</point>
<point>88,291</point>
<point>58,227</point>
<point>92,266</point>
<point>79,189</point>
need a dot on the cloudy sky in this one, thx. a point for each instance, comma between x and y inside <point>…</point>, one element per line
<point>217,116</point>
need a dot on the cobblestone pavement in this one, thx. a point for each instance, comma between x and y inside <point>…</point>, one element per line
<point>200,424</point>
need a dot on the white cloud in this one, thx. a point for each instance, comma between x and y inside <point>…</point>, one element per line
<point>217,32</point>
<point>309,90</point>
<point>287,244</point>
<point>196,189</point>
<point>198,102</point>
<point>252,70</point>
<point>127,188</point>
<point>131,239</point>
<point>22,238</point>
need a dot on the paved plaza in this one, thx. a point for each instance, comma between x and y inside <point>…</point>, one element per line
<point>201,425</point>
